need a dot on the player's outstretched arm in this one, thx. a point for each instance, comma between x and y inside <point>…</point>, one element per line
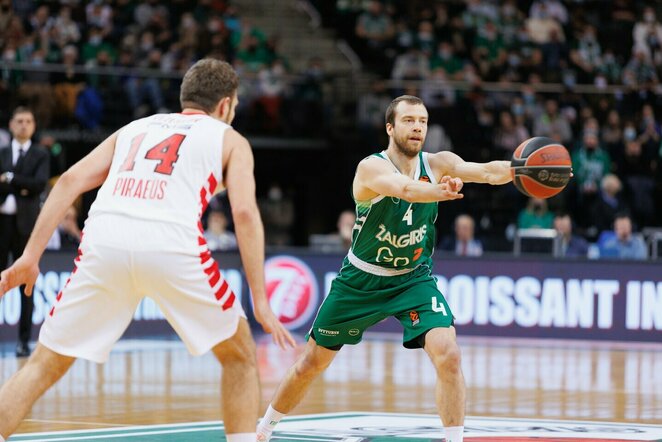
<point>240,182</point>
<point>88,173</point>
<point>375,177</point>
<point>448,163</point>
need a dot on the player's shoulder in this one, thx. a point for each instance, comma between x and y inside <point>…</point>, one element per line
<point>372,160</point>
<point>233,138</point>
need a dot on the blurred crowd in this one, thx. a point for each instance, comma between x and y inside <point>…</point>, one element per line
<point>121,59</point>
<point>101,45</point>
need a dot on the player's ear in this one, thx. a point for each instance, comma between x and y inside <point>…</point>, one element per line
<point>224,106</point>
<point>389,129</point>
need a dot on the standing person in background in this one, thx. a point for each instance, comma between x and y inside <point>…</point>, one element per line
<point>388,269</point>
<point>24,172</point>
<point>144,234</point>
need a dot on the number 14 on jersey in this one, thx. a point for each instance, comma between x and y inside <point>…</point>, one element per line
<point>166,153</point>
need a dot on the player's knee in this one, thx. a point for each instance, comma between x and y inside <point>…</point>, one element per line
<point>446,357</point>
<point>311,364</point>
<point>51,365</point>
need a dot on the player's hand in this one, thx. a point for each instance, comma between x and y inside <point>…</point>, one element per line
<point>23,271</point>
<point>450,188</point>
<point>270,324</point>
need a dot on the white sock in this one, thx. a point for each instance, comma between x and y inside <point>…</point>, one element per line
<point>239,437</point>
<point>269,421</point>
<point>454,434</point>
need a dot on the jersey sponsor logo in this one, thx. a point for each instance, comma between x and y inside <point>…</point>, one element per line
<point>415,318</point>
<point>326,332</point>
<point>291,289</point>
<point>399,241</point>
<point>353,332</point>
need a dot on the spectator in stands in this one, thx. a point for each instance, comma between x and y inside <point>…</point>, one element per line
<point>277,211</point>
<point>554,9</point>
<point>464,242</point>
<point>217,234</point>
<point>608,204</point>
<point>551,123</point>
<point>542,25</point>
<point>590,164</point>
<point>535,215</point>
<point>141,90</point>
<point>611,133</point>
<point>508,135</point>
<point>636,168</point>
<point>68,84</point>
<point>446,59</point>
<point>623,244</point>
<point>24,169</point>
<point>586,54</point>
<point>308,116</point>
<point>67,30</point>
<point>647,36</point>
<point>100,16</point>
<point>375,29</point>
<point>571,245</point>
<point>650,130</point>
<point>639,72</point>
<point>411,65</point>
<point>339,241</point>
<point>271,88</point>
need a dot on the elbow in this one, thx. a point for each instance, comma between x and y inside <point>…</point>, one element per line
<point>245,214</point>
<point>67,179</point>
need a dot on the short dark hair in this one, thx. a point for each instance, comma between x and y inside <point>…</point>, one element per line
<point>390,110</point>
<point>21,110</point>
<point>206,83</point>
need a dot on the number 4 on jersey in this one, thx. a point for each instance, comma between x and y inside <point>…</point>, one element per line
<point>408,215</point>
<point>166,152</point>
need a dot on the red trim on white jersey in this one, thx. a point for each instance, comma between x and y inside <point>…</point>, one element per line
<point>76,261</point>
<point>221,288</point>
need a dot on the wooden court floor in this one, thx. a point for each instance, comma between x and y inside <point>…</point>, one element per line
<point>158,382</point>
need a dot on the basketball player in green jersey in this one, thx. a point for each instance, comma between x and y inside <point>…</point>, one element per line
<point>388,270</point>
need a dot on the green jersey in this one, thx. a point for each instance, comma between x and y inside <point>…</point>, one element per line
<point>392,236</point>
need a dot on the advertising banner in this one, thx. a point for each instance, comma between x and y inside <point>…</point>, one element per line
<point>501,296</point>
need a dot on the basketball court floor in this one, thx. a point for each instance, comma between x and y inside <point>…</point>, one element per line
<point>517,390</point>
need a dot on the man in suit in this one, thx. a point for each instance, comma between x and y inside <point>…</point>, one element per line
<point>24,171</point>
<point>463,243</point>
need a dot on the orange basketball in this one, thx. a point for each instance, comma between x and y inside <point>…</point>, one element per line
<point>540,167</point>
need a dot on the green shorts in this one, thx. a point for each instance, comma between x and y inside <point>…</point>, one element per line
<point>358,300</point>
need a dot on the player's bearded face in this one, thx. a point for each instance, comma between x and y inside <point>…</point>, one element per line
<point>408,142</point>
<point>410,128</point>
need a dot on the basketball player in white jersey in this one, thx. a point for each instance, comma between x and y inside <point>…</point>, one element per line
<point>144,237</point>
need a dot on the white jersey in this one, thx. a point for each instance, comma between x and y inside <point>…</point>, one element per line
<point>165,169</point>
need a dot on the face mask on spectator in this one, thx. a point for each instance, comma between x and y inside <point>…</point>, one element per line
<point>630,133</point>
<point>649,17</point>
<point>95,40</point>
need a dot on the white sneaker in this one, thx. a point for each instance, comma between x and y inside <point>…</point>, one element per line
<point>263,436</point>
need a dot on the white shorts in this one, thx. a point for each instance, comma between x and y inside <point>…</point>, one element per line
<point>98,302</point>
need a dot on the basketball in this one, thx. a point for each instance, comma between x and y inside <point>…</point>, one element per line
<point>540,167</point>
